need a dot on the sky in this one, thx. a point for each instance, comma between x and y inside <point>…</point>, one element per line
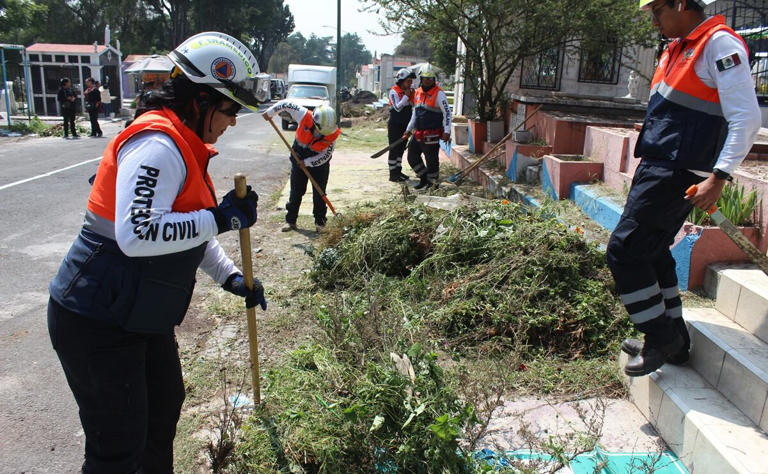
<point>319,17</point>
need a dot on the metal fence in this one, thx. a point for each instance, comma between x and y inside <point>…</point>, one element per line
<point>543,71</point>
<point>749,18</point>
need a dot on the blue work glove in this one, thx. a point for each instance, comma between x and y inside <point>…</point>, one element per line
<point>234,213</point>
<point>236,285</point>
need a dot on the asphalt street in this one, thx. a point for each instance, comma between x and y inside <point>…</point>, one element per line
<point>43,190</point>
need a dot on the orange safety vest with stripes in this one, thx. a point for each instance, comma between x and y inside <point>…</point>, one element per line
<point>196,194</point>
<point>684,127</point>
<point>307,145</point>
<point>429,115</point>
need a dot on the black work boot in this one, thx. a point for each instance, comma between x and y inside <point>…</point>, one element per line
<point>397,176</point>
<point>633,347</point>
<point>423,183</point>
<point>662,340</point>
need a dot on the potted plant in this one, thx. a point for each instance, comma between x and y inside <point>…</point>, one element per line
<point>701,243</point>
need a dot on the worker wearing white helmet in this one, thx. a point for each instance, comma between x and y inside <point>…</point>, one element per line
<point>400,110</point>
<point>316,135</point>
<point>430,123</point>
<point>701,122</point>
<point>151,220</point>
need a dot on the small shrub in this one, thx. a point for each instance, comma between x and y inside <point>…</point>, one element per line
<point>735,205</point>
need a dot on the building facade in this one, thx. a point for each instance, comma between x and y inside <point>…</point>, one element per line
<point>49,62</point>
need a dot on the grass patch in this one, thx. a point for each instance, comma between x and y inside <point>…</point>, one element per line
<point>365,134</point>
<point>38,127</point>
<point>428,319</point>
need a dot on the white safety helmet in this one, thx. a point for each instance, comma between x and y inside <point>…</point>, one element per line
<point>427,70</point>
<point>221,62</point>
<point>404,74</point>
<point>325,119</point>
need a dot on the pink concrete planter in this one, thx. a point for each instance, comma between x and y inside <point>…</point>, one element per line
<point>609,146</point>
<point>519,157</point>
<point>711,246</point>
<point>478,132</point>
<point>560,171</point>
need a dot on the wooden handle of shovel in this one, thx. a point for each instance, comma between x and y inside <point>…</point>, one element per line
<point>245,254</point>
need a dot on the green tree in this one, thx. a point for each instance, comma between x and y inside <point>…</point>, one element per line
<point>500,34</point>
<point>415,42</point>
<point>353,55</point>
<point>274,26</point>
<point>18,20</point>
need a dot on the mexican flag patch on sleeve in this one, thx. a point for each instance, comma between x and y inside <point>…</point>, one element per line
<point>728,62</point>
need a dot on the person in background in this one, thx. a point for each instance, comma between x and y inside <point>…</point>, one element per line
<point>400,110</point>
<point>151,220</point>
<point>92,104</point>
<point>430,123</point>
<point>316,135</point>
<point>701,122</point>
<point>66,98</point>
<point>106,99</point>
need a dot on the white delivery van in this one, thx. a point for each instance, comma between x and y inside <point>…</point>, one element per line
<point>310,86</point>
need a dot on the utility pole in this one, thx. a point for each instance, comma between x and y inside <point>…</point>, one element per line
<point>338,62</point>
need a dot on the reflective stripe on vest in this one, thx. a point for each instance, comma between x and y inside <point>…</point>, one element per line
<point>197,192</point>
<point>428,114</point>
<point>684,125</point>
<point>306,144</point>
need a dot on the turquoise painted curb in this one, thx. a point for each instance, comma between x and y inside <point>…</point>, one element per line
<point>546,182</point>
<point>512,169</point>
<point>470,141</point>
<point>600,209</point>
<point>682,255</point>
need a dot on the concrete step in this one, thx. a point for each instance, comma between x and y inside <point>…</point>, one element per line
<point>732,360</point>
<point>706,431</point>
<point>741,294</point>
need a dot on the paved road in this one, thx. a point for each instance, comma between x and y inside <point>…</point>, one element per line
<point>43,190</point>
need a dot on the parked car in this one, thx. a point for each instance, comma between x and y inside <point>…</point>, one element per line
<point>277,88</point>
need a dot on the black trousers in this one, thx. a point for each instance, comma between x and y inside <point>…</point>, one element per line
<point>431,171</point>
<point>395,132</point>
<point>638,251</point>
<point>129,389</point>
<point>69,121</point>
<point>299,187</point>
<point>94,116</point>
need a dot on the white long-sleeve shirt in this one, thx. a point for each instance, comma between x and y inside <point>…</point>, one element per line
<point>297,114</point>
<point>398,103</point>
<point>737,98</point>
<point>152,158</point>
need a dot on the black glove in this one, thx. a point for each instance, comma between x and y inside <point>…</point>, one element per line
<point>234,213</point>
<point>236,285</point>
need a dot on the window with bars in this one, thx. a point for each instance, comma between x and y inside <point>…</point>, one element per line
<point>601,67</point>
<point>543,71</point>
<point>749,18</point>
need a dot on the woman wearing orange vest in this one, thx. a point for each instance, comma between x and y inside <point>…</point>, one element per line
<point>400,110</point>
<point>151,221</point>
<point>316,135</point>
<point>701,122</point>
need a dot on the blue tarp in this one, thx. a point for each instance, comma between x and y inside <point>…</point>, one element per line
<point>595,461</point>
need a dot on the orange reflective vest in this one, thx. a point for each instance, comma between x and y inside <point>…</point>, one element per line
<point>307,144</point>
<point>684,126</point>
<point>196,194</point>
<point>429,115</point>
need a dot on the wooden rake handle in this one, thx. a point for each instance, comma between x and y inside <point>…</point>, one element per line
<point>245,254</point>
